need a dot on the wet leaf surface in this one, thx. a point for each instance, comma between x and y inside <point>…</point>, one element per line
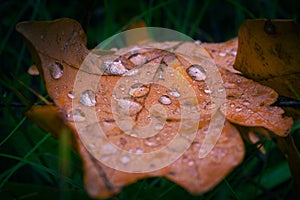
<point>59,51</point>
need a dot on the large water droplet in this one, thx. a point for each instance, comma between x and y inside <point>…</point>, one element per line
<point>76,115</point>
<point>174,93</point>
<point>129,106</point>
<point>116,68</point>
<point>132,72</point>
<point>56,70</point>
<point>165,100</point>
<point>87,98</point>
<point>138,59</point>
<point>196,72</point>
<point>138,90</point>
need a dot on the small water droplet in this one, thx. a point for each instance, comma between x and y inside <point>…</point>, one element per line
<point>222,54</point>
<point>233,53</point>
<point>207,91</point>
<point>196,72</point>
<point>87,98</point>
<point>56,70</point>
<point>149,142</point>
<point>138,90</point>
<point>76,115</point>
<point>221,89</point>
<point>122,87</point>
<point>71,95</point>
<point>190,163</point>
<point>139,151</point>
<point>210,106</point>
<point>165,100</point>
<point>197,42</point>
<point>231,105</point>
<point>239,82</point>
<point>174,93</point>
<point>158,126</point>
<point>116,67</point>
<point>246,103</point>
<point>238,109</point>
<point>125,159</point>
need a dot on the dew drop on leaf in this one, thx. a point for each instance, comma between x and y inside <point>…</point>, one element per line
<point>87,98</point>
<point>196,72</point>
<point>76,115</point>
<point>138,90</point>
<point>174,93</point>
<point>116,68</point>
<point>71,95</point>
<point>125,159</point>
<point>165,100</point>
<point>56,70</point>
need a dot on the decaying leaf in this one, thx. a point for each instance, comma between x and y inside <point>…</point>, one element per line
<point>59,48</point>
<point>269,53</point>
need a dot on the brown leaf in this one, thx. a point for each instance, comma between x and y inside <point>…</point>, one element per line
<point>197,175</point>
<point>269,53</point>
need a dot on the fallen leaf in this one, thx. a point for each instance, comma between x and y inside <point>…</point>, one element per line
<point>269,53</point>
<point>60,69</point>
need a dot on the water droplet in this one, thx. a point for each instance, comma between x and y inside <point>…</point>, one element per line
<point>238,109</point>
<point>109,148</point>
<point>246,103</point>
<point>191,163</point>
<point>210,106</point>
<point>138,59</point>
<point>231,105</point>
<point>76,115</point>
<point>116,68</point>
<point>233,53</point>
<point>174,93</point>
<point>158,126</point>
<point>239,82</point>
<point>132,72</point>
<point>129,106</point>
<point>196,72</point>
<point>150,142</point>
<point>71,95</point>
<point>222,54</point>
<point>87,98</point>
<point>56,70</point>
<point>165,100</point>
<point>207,91</point>
<point>138,90</point>
<point>125,159</point>
<point>139,151</point>
<point>221,89</point>
<point>197,42</point>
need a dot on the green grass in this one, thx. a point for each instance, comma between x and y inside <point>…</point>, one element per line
<point>34,165</point>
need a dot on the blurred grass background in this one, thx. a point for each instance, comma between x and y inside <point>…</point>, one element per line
<point>31,161</point>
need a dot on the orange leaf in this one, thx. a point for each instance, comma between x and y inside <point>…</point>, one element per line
<point>60,50</point>
<point>269,53</point>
